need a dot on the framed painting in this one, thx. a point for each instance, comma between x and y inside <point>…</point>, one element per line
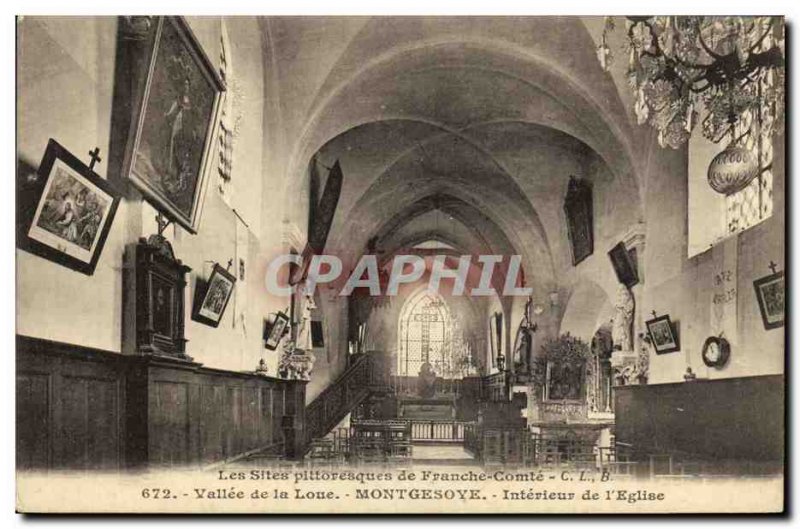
<point>274,329</point>
<point>68,211</point>
<point>663,335</point>
<point>580,218</point>
<point>210,307</point>
<point>624,263</point>
<point>771,295</point>
<point>492,346</point>
<point>171,143</point>
<point>317,334</point>
<point>565,381</point>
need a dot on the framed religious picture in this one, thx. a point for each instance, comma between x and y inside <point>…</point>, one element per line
<point>317,334</point>
<point>492,343</point>
<point>624,263</point>
<point>565,380</point>
<point>172,138</point>
<point>274,329</point>
<point>663,335</point>
<point>67,211</point>
<point>579,215</point>
<point>210,307</point>
<point>771,295</point>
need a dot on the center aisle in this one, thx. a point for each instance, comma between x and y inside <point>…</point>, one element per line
<point>437,454</point>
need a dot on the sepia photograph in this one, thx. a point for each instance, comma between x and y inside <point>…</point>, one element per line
<point>495,264</point>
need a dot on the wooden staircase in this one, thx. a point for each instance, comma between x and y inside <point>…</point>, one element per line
<point>364,375</point>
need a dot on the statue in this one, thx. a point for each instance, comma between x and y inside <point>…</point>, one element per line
<point>643,361</point>
<point>427,381</point>
<point>623,320</point>
<point>303,341</point>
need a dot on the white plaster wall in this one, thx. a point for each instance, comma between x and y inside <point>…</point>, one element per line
<point>66,69</point>
<point>683,287</point>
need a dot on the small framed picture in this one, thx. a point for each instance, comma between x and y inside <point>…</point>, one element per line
<point>211,305</point>
<point>663,335</point>
<point>317,334</point>
<point>274,329</point>
<point>624,263</point>
<point>771,295</point>
<point>68,214</point>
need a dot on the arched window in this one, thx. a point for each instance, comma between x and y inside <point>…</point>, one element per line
<point>424,336</point>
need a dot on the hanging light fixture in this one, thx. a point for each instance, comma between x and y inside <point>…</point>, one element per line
<point>727,71</point>
<point>732,169</point>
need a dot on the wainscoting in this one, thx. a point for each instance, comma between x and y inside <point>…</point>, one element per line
<point>82,409</point>
<point>731,419</point>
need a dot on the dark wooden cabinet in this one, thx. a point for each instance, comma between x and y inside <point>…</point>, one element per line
<point>158,289</point>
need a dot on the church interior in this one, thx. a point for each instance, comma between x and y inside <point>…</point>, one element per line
<point>165,163</point>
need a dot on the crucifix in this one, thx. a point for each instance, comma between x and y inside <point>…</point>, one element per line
<point>654,313</point>
<point>773,267</point>
<point>162,223</point>
<point>95,157</point>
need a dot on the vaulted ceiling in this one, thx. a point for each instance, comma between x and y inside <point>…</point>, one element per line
<point>463,130</point>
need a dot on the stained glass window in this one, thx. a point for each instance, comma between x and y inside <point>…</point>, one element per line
<point>425,326</point>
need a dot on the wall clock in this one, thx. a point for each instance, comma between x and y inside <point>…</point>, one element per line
<point>716,351</point>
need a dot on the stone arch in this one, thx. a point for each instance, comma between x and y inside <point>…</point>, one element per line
<point>588,307</point>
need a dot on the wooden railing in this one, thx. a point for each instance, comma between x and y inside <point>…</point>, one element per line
<point>441,430</point>
<point>347,392</point>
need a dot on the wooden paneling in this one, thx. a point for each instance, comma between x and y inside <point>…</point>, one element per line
<point>69,407</point>
<point>169,425</point>
<point>33,420</point>
<point>81,408</point>
<point>725,419</point>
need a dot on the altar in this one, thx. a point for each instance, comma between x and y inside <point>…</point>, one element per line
<point>426,397</point>
<point>426,409</point>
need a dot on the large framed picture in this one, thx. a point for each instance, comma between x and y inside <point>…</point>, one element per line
<point>210,307</point>
<point>771,295</point>
<point>578,210</point>
<point>663,335</point>
<point>274,329</point>
<point>170,150</point>
<point>68,212</point>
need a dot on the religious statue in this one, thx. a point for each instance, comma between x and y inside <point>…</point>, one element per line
<point>643,360</point>
<point>427,381</point>
<point>623,320</point>
<point>303,340</point>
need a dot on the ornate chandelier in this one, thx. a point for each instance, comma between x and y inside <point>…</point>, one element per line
<point>727,71</point>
